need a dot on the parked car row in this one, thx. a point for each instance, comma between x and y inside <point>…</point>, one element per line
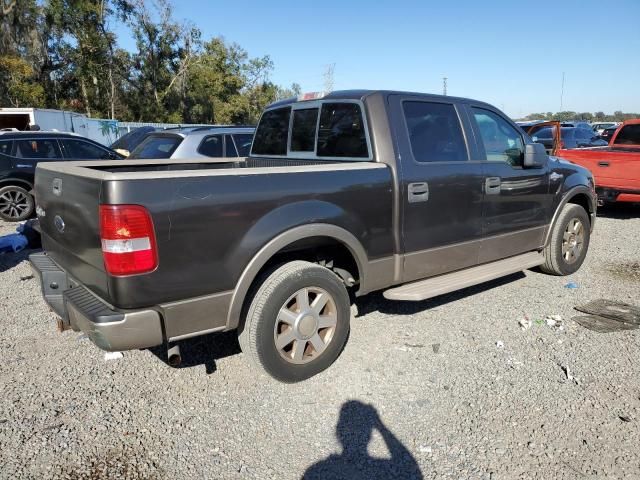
<point>20,153</point>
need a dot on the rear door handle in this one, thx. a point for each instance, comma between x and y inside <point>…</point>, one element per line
<point>492,185</point>
<point>603,164</point>
<point>418,192</point>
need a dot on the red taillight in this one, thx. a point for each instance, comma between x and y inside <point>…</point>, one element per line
<point>128,240</point>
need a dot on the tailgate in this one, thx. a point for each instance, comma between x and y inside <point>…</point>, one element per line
<point>67,206</point>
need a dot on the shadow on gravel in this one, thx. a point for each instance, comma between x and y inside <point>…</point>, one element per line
<point>620,211</point>
<point>375,302</point>
<point>203,350</point>
<point>356,424</point>
<point>10,260</point>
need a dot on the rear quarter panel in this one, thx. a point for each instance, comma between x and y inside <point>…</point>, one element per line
<point>209,227</point>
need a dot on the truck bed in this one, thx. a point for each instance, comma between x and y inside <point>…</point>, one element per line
<point>210,219</point>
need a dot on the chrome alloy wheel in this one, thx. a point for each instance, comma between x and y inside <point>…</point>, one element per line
<point>573,240</point>
<point>13,203</point>
<point>305,325</point>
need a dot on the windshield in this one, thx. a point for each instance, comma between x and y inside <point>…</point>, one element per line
<point>157,146</point>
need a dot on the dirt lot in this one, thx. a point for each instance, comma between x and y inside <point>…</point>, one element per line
<point>447,388</point>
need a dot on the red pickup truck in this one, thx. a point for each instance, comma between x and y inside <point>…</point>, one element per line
<point>616,167</point>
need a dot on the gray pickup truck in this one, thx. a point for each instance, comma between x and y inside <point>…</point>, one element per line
<point>344,194</point>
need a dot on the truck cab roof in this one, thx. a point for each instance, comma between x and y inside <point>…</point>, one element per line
<point>362,94</point>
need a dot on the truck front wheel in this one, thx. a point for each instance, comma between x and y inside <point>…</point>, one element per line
<point>297,323</point>
<point>569,241</point>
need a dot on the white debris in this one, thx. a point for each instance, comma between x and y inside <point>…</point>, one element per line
<point>525,323</point>
<point>553,321</point>
<point>500,344</point>
<point>112,356</point>
<point>424,449</point>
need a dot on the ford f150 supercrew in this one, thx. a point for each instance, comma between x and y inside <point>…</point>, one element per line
<point>342,194</point>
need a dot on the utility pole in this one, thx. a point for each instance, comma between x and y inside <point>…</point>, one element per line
<point>444,85</point>
<point>562,91</point>
<point>328,77</point>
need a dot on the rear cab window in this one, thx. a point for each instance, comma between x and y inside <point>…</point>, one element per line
<point>318,129</point>
<point>157,146</point>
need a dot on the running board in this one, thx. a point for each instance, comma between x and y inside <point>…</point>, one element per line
<point>432,287</point>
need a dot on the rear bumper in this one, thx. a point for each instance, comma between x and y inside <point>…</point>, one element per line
<point>109,329</point>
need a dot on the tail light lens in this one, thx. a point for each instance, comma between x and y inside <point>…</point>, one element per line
<point>128,240</point>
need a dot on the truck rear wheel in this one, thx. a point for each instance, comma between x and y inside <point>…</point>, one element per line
<point>569,241</point>
<point>297,323</point>
<point>16,204</point>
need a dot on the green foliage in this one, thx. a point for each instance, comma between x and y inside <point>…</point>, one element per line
<point>63,54</point>
<point>17,83</point>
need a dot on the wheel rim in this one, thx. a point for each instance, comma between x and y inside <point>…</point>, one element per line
<point>14,203</point>
<point>573,240</point>
<point>305,325</point>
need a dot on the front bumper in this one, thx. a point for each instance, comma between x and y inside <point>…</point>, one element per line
<point>79,308</point>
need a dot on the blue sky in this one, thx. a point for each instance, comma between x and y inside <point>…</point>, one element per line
<point>508,53</point>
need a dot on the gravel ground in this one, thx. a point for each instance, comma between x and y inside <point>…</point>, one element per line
<point>446,388</point>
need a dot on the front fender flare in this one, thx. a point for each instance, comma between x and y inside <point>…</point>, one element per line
<point>568,195</point>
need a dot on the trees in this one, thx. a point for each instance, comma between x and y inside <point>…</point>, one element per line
<point>17,83</point>
<point>64,54</point>
<point>617,116</point>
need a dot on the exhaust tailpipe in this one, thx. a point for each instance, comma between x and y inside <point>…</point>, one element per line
<point>174,359</point>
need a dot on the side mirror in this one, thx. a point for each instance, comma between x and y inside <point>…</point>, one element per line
<point>535,155</point>
<point>123,152</point>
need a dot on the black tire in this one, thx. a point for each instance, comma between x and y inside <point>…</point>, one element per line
<point>257,335</point>
<point>16,203</point>
<point>556,262</point>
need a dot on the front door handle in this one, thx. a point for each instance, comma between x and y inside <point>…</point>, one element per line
<point>492,185</point>
<point>603,164</point>
<point>418,192</point>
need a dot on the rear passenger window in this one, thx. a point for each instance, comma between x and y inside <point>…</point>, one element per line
<point>273,132</point>
<point>41,149</point>
<point>211,146</point>
<point>229,147</point>
<point>435,132</point>
<point>156,146</point>
<point>341,132</point>
<point>502,142</point>
<point>303,131</point>
<point>81,150</point>
<point>243,143</point>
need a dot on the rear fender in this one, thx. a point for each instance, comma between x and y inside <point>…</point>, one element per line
<point>287,237</point>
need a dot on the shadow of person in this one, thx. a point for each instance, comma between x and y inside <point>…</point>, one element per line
<point>355,426</point>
